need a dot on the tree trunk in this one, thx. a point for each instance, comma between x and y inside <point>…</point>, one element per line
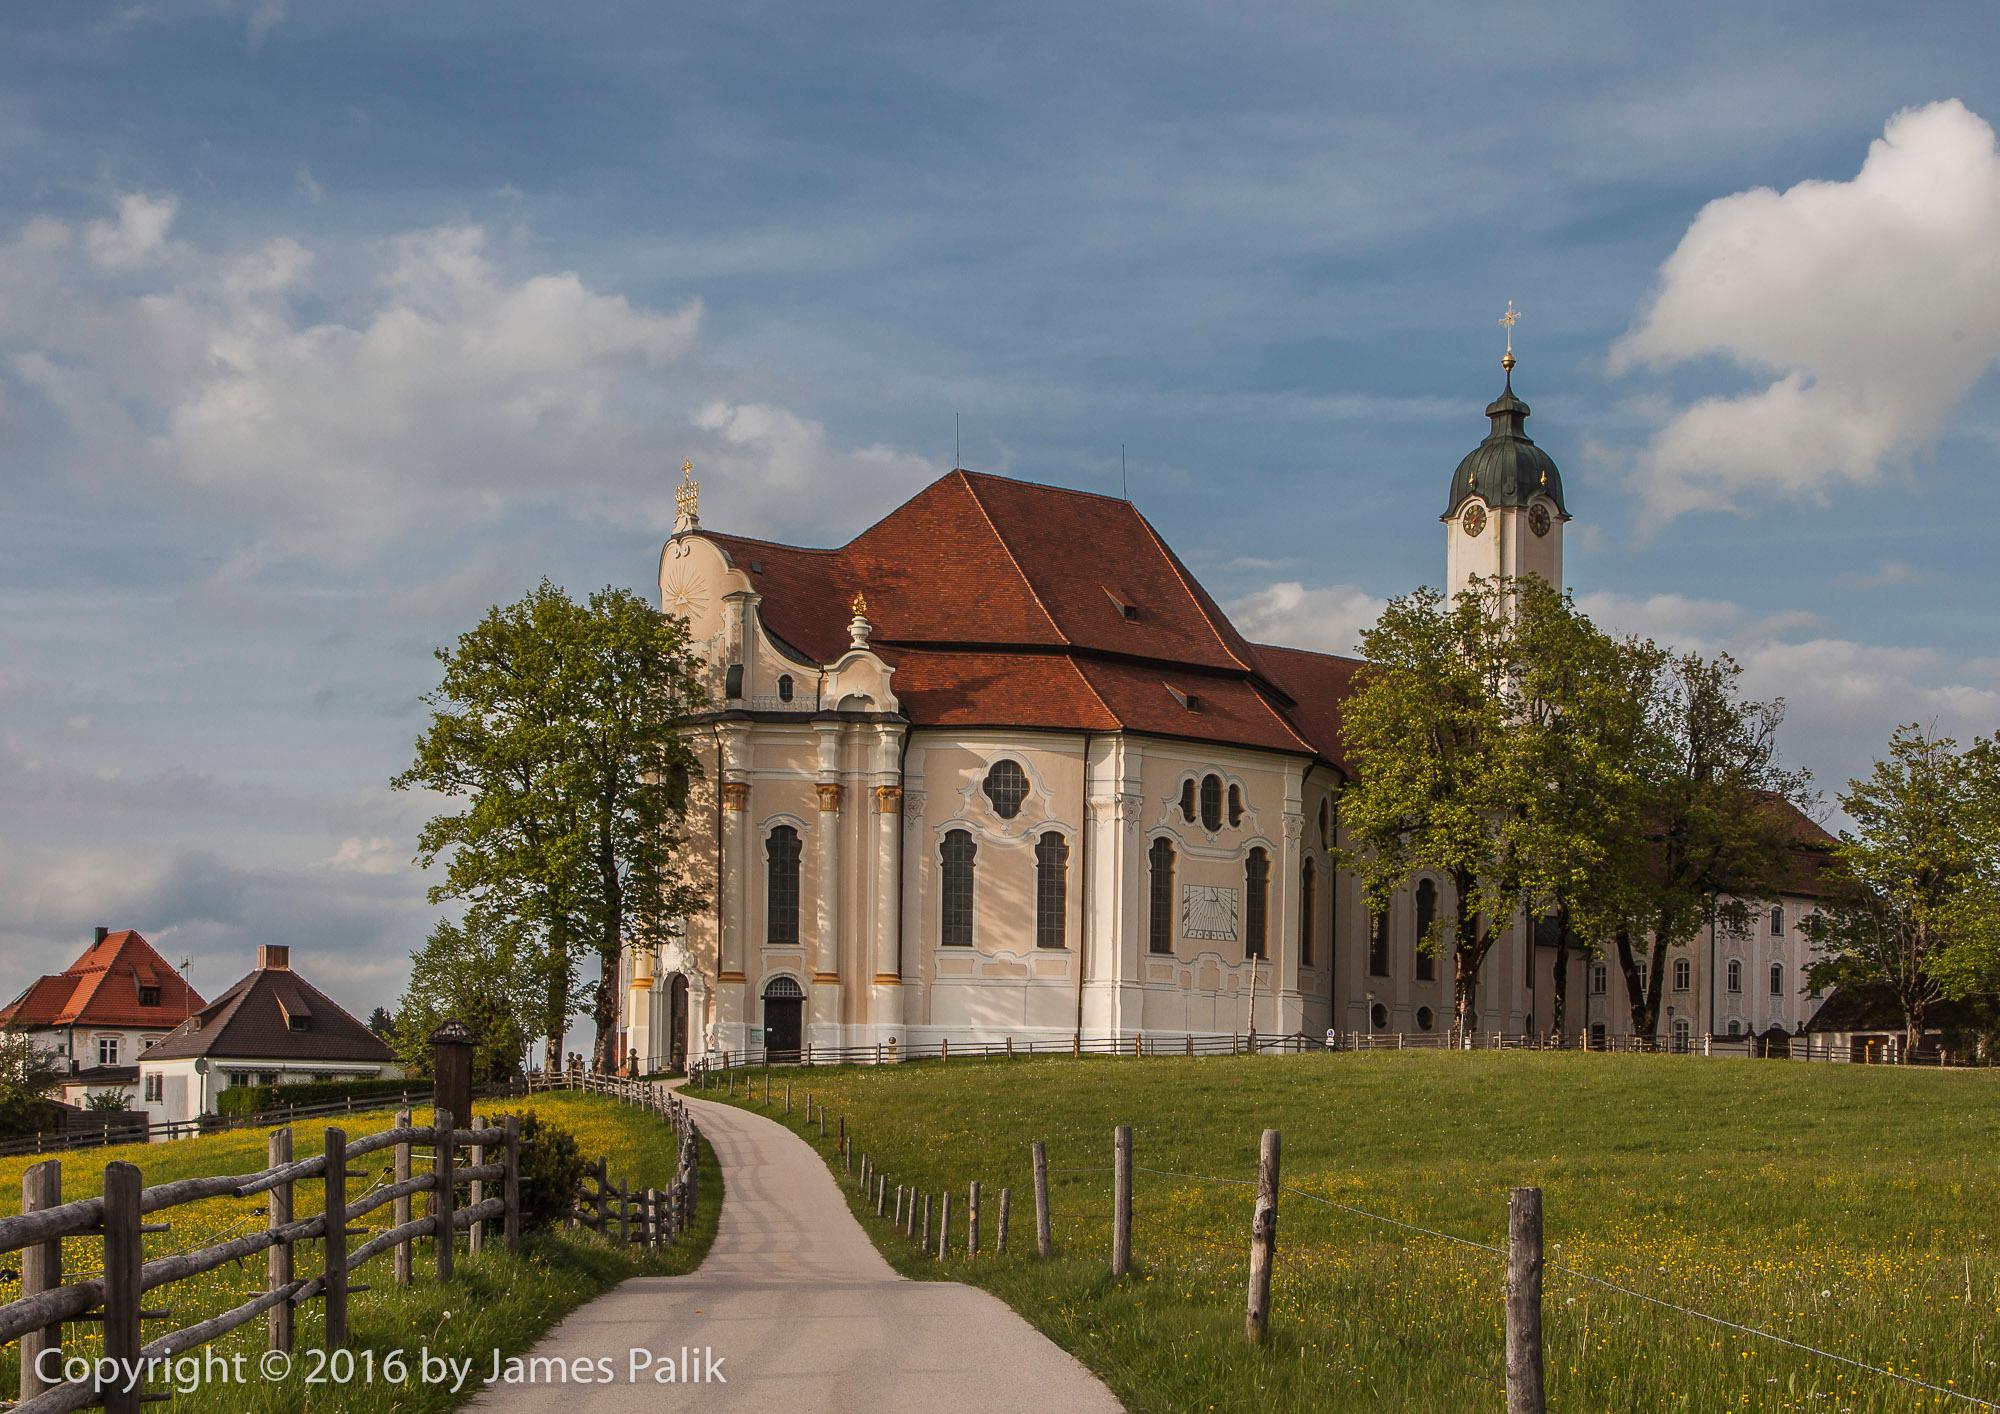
<point>556,1021</point>
<point>1635,985</point>
<point>1559,1002</point>
<point>610,946</point>
<point>1465,958</point>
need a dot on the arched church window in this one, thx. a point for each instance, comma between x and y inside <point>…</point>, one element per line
<point>784,687</point>
<point>1683,974</point>
<point>1051,889</point>
<point>781,886</point>
<point>1735,972</point>
<point>1378,944</point>
<point>1256,902</point>
<point>1006,785</point>
<point>956,909</point>
<point>1427,912</point>
<point>1160,897</point>
<point>1235,806</point>
<point>1308,911</point>
<point>1187,799</point>
<point>1211,803</point>
<point>1325,825</point>
<point>1777,979</point>
<point>1778,920</point>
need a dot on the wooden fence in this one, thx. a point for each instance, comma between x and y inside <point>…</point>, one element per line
<point>491,1184</point>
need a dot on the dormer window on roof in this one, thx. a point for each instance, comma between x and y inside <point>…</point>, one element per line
<point>1126,608</point>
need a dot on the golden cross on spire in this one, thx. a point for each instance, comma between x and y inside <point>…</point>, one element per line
<point>1507,322</point>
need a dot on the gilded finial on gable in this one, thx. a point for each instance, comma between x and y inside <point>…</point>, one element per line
<point>687,500</point>
<point>860,606</point>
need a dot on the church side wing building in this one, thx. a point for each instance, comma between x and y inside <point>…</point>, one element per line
<point>1001,767</point>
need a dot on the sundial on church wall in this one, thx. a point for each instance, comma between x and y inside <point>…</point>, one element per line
<point>684,592</point>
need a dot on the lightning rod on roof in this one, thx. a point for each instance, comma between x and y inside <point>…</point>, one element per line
<point>1124,486</point>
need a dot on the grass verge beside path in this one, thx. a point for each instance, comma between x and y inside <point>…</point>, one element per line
<point>496,1301</point>
<point>1852,1208</point>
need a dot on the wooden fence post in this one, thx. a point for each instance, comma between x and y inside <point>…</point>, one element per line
<point>400,1258</point>
<point>510,1187</point>
<point>898,1220</point>
<point>881,1193</point>
<point>944,1224</point>
<point>972,1220</point>
<point>334,1239</point>
<point>1121,1200</point>
<point>1263,1239</point>
<point>924,1237</point>
<point>475,1236</point>
<point>41,1270</point>
<point>1000,1236</point>
<point>624,1214</point>
<point>278,1260</point>
<point>1524,1302</point>
<point>446,1187</point>
<point>1044,1236</point>
<point>123,1258</point>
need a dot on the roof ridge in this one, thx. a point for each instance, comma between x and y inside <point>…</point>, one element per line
<point>1044,486</point>
<point>1181,574</point>
<point>1012,558</point>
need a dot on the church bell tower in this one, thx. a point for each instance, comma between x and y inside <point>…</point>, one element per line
<point>1505,517</point>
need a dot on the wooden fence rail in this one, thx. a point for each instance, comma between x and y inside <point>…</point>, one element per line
<point>115,1297</point>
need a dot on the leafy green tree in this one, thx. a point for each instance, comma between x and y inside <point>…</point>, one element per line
<point>103,1101</point>
<point>1916,907</point>
<point>382,1022</point>
<point>27,1070</point>
<point>558,725</point>
<point>1436,784</point>
<point>1718,805</point>
<point>1577,706</point>
<point>484,974</point>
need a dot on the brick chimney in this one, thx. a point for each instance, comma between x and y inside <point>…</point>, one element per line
<point>272,957</point>
<point>102,933</point>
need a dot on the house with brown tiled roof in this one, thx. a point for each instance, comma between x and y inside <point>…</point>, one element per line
<point>1000,767</point>
<point>272,1027</point>
<point>103,1011</point>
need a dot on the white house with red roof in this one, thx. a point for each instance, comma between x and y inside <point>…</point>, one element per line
<point>1001,767</point>
<point>104,1011</point>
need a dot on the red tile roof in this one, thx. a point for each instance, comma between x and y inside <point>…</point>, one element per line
<point>101,988</point>
<point>1003,603</point>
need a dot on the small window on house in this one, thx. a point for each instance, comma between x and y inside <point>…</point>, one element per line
<point>1600,979</point>
<point>300,1023</point>
<point>1378,945</point>
<point>1256,903</point>
<point>1777,980</point>
<point>1735,974</point>
<point>1160,897</point>
<point>1235,806</point>
<point>149,996</point>
<point>784,687</point>
<point>1006,785</point>
<point>1187,799</point>
<point>107,1050</point>
<point>956,909</point>
<point>155,1091</point>
<point>1778,920</point>
<point>1683,974</point>
<point>1427,908</point>
<point>1051,890</point>
<point>1211,803</point>
<point>1735,1027</point>
<point>1683,1035</point>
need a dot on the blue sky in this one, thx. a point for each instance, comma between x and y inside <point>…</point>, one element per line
<point>324,326</point>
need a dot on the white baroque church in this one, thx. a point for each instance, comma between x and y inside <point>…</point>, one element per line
<point>1001,767</point>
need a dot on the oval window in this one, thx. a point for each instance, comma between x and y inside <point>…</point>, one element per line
<point>1426,1019</point>
<point>1378,1016</point>
<point>785,687</point>
<point>1006,785</point>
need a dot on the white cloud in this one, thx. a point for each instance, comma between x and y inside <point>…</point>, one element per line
<point>794,471</point>
<point>139,233</point>
<point>446,391</point>
<point>1872,304</point>
<point>1329,619</point>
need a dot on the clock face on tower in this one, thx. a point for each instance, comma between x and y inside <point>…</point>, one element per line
<point>1538,518</point>
<point>1475,518</point>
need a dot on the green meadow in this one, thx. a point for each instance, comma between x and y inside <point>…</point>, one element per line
<point>1854,1209</point>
